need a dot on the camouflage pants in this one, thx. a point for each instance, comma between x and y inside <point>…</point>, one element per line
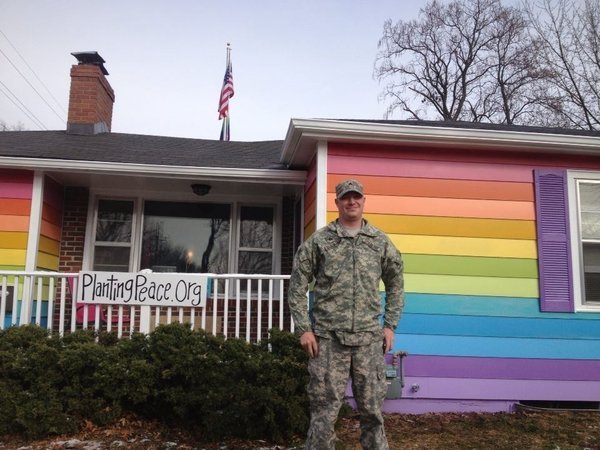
<point>329,373</point>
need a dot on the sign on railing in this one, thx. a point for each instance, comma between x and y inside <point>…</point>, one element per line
<point>232,305</point>
<point>137,289</point>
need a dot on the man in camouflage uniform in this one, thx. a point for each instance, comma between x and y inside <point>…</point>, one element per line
<point>343,333</point>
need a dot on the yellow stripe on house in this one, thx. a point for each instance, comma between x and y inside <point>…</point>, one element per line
<point>486,286</point>
<point>444,245</point>
<point>12,257</point>
<point>454,226</point>
<point>450,226</point>
<point>46,261</point>
<point>50,246</point>
<point>13,239</point>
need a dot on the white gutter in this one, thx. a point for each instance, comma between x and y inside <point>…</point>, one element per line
<point>304,133</point>
<point>269,176</point>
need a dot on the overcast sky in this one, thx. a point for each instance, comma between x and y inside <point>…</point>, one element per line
<point>166,60</point>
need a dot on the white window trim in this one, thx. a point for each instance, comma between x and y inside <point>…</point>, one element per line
<point>573,176</point>
<point>90,232</point>
<point>137,225</point>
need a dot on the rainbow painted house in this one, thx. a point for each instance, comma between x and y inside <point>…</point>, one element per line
<point>499,227</point>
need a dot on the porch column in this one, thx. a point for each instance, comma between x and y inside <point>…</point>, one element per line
<point>33,242</point>
<point>321,183</point>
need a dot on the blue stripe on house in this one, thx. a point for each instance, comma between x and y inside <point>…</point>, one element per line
<point>423,344</point>
<point>543,328</point>
<point>484,306</point>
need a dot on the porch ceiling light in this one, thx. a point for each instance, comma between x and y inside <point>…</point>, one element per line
<point>200,189</point>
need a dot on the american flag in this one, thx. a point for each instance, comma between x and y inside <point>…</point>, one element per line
<point>227,90</point>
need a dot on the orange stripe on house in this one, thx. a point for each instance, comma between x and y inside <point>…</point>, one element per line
<point>310,211</point>
<point>309,229</point>
<point>14,223</point>
<point>51,214</point>
<point>447,207</point>
<point>15,206</point>
<point>50,230</point>
<point>427,187</point>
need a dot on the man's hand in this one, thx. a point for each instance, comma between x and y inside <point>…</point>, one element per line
<point>388,339</point>
<point>308,341</point>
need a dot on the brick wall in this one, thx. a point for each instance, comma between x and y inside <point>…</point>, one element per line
<point>73,229</point>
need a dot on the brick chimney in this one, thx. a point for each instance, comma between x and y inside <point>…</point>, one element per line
<point>91,98</point>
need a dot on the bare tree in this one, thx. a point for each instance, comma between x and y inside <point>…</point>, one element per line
<point>5,127</point>
<point>571,51</point>
<point>480,61</point>
<point>439,61</point>
<point>514,90</point>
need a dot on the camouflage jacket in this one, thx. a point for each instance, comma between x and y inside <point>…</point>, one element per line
<point>346,272</point>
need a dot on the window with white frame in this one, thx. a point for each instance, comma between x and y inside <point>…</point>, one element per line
<point>182,237</point>
<point>584,214</point>
<point>113,236</point>
<point>255,254</point>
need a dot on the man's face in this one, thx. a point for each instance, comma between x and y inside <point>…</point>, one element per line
<point>350,206</point>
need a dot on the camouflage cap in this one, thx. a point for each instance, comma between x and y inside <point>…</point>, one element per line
<point>348,186</point>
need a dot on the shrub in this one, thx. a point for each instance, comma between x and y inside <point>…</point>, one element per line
<point>215,387</point>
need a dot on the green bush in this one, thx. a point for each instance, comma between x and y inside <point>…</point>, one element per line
<point>215,387</point>
<point>30,402</point>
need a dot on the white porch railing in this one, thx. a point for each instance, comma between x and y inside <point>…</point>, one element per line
<point>238,305</point>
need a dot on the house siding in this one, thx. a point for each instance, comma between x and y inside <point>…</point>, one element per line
<point>16,189</point>
<point>310,199</point>
<point>49,245</point>
<point>465,223</point>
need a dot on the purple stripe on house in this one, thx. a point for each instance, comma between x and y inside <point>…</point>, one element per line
<point>424,406</point>
<point>502,368</point>
<point>490,389</point>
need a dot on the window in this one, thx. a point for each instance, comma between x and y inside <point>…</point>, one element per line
<point>185,237</point>
<point>112,243</point>
<point>584,196</point>
<point>256,240</point>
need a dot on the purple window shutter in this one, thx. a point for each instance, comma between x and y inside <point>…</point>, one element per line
<point>554,250</point>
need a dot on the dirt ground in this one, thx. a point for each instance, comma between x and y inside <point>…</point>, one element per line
<point>522,430</point>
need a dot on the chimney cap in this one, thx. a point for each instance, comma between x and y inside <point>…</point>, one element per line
<point>91,58</point>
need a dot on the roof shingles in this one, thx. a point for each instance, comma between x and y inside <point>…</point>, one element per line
<point>141,149</point>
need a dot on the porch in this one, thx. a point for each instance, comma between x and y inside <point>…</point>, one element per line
<point>237,306</point>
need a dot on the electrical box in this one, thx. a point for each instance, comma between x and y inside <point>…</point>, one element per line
<point>394,374</point>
